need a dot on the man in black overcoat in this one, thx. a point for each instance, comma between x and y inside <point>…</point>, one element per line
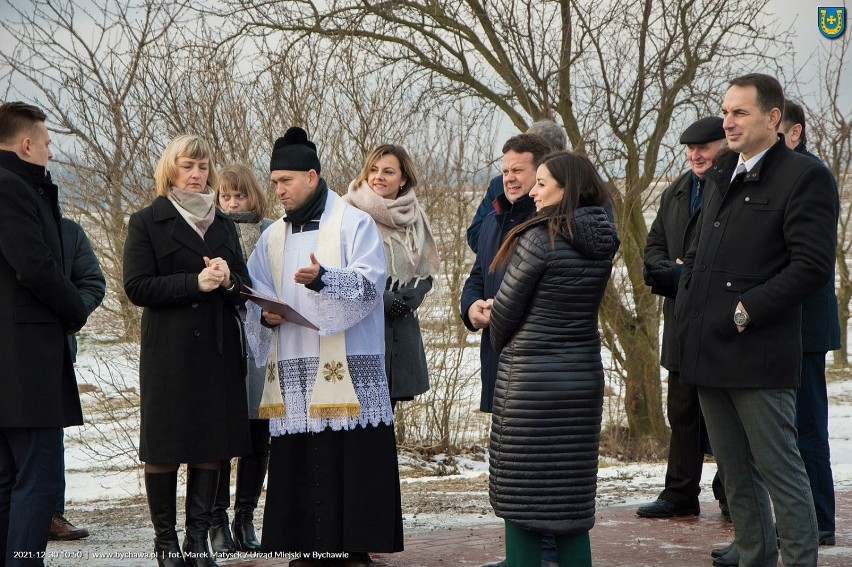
<point>39,305</point>
<point>665,247</point>
<point>766,242</point>
<point>820,334</point>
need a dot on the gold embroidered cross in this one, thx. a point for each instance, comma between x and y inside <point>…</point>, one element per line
<point>333,371</point>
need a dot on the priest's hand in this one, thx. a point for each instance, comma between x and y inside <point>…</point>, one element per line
<point>308,274</point>
<point>271,318</point>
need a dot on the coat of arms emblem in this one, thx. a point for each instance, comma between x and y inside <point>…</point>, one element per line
<point>831,21</point>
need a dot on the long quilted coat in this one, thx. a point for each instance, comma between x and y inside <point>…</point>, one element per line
<point>545,429</point>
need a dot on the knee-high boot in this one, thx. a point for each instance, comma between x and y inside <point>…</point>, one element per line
<point>200,494</point>
<point>161,489</point>
<point>251,471</point>
<point>220,532</point>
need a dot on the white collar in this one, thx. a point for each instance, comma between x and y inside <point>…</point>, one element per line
<point>750,163</point>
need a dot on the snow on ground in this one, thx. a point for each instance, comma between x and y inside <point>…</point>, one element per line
<point>105,490</point>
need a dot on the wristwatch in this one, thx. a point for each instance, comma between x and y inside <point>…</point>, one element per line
<point>741,318</point>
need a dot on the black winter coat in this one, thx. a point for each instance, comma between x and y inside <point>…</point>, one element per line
<point>38,303</point>
<point>669,238</point>
<point>820,319</point>
<point>405,357</point>
<point>82,267</point>
<point>768,241</point>
<point>193,361</point>
<point>545,428</point>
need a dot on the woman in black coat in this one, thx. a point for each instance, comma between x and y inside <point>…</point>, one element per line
<point>546,424</point>
<point>183,264</point>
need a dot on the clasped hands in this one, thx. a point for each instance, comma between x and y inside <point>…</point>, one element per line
<point>216,273</point>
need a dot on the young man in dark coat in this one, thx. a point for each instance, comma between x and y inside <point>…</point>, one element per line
<point>668,240</point>
<point>820,333</point>
<point>766,243</point>
<point>38,306</point>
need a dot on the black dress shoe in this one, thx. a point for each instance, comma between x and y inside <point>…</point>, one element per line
<point>664,509</point>
<point>720,551</point>
<point>730,559</point>
<point>827,538</point>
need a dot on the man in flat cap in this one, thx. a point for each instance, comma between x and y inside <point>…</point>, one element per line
<point>333,488</point>
<point>667,243</point>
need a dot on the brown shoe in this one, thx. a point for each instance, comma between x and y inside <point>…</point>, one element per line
<point>62,529</point>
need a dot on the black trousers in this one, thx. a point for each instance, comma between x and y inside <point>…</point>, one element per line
<point>687,447</point>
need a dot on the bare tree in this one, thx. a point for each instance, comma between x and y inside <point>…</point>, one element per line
<point>451,148</point>
<point>120,79</point>
<point>617,94</point>
<point>86,66</point>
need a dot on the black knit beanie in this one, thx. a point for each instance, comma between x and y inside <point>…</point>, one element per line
<point>294,152</point>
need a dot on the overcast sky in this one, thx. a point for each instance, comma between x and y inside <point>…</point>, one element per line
<point>802,14</point>
<point>799,15</point>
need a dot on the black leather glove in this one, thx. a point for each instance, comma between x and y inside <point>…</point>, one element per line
<point>398,307</point>
<point>661,276</point>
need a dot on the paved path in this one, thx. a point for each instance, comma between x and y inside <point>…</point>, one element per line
<point>619,539</point>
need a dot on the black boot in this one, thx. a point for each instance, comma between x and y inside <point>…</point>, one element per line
<point>220,533</point>
<point>251,471</point>
<point>200,495</point>
<point>160,489</point>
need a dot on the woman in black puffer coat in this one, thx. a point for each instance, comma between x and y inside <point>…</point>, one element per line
<point>546,424</point>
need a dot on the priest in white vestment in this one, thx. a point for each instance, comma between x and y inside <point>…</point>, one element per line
<point>333,484</point>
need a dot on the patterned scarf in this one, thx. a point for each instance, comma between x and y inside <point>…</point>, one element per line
<point>248,229</point>
<point>409,245</point>
<point>196,208</point>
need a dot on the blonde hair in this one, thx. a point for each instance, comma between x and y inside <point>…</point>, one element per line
<point>188,146</point>
<point>240,178</point>
<point>406,166</point>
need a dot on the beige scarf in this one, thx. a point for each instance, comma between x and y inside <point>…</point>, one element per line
<point>333,393</point>
<point>409,245</point>
<point>196,208</point>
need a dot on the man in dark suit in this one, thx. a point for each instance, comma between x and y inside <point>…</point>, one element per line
<point>820,334</point>
<point>665,247</point>
<point>39,305</point>
<point>766,243</point>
